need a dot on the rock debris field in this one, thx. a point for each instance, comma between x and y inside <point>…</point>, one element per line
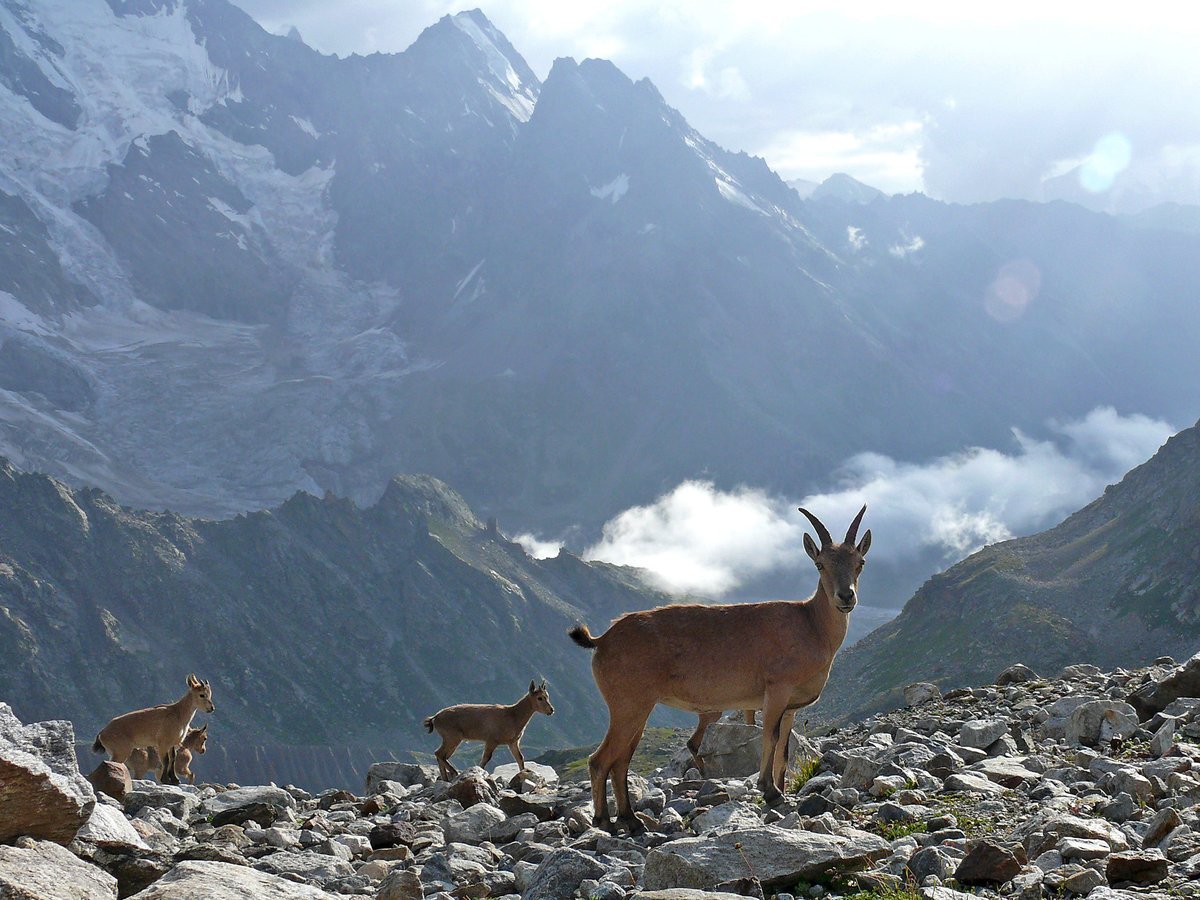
<point>1081,785</point>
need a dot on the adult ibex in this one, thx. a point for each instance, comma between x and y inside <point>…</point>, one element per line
<point>772,656</point>
<point>160,727</point>
<point>494,724</point>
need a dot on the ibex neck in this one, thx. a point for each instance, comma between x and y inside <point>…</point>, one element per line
<point>523,709</point>
<point>832,622</point>
<point>185,707</point>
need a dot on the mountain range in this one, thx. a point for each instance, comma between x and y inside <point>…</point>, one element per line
<point>328,631</point>
<point>1115,584</point>
<point>232,268</point>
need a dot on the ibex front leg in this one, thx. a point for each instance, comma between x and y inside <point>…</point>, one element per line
<point>774,707</point>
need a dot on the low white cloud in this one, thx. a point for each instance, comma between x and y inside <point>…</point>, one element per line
<point>885,156</point>
<point>699,539</point>
<point>537,547</point>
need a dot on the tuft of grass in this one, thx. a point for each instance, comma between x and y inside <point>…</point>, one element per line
<point>806,770</point>
<point>907,891</point>
<point>890,831</point>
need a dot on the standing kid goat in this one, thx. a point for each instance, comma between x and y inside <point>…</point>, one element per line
<point>159,727</point>
<point>771,656</point>
<point>494,724</point>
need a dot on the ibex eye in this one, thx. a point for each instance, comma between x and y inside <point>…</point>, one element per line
<point>821,567</point>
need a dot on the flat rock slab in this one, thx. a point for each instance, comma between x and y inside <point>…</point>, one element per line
<point>47,871</point>
<point>778,857</point>
<point>42,794</point>
<point>969,783</point>
<point>248,796</point>
<point>507,772</point>
<point>1006,772</point>
<point>109,828</point>
<point>220,881</point>
<point>316,867</point>
<point>687,894</point>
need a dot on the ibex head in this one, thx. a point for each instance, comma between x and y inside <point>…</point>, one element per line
<point>201,692</point>
<point>541,697</point>
<point>838,564</point>
<point>197,739</point>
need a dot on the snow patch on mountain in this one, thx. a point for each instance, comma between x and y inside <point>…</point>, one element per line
<point>614,190</point>
<point>508,89</point>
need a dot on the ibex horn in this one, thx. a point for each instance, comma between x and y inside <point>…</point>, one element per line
<point>822,531</point>
<point>852,531</point>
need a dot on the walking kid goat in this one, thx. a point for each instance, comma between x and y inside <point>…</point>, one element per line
<point>494,724</point>
<point>772,656</point>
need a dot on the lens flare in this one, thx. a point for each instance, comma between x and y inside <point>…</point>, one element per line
<point>1015,286</point>
<point>1109,158</point>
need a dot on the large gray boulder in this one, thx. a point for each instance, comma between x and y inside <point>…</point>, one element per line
<point>474,825</point>
<point>107,827</point>
<point>1099,721</point>
<point>559,875</point>
<point>1155,696</point>
<point>201,880</point>
<point>178,801</point>
<point>733,750</point>
<point>272,796</point>
<point>42,870</point>
<point>778,857</point>
<point>42,793</point>
<point>407,774</point>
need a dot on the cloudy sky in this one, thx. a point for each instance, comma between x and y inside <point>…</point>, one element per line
<point>697,539</point>
<point>965,101</point>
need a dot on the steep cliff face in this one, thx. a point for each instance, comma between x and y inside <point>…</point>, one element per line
<point>1115,584</point>
<point>324,628</point>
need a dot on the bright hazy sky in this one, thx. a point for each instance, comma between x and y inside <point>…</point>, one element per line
<point>965,101</point>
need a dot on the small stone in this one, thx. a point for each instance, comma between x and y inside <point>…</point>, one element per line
<point>1083,882</point>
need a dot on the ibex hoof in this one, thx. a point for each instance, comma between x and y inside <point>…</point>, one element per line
<point>633,824</point>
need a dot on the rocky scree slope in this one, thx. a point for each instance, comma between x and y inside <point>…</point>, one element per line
<point>328,631</point>
<point>1117,582</point>
<point>1027,788</point>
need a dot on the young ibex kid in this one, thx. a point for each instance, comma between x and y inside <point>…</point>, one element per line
<point>494,724</point>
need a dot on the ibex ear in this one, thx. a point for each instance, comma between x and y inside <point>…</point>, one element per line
<point>865,544</point>
<point>532,687</point>
<point>810,547</point>
<point>204,728</point>
<point>192,681</point>
<point>543,684</point>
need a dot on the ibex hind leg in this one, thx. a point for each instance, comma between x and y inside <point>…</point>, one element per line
<point>625,724</point>
<point>443,754</point>
<point>697,738</point>
<point>620,776</point>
